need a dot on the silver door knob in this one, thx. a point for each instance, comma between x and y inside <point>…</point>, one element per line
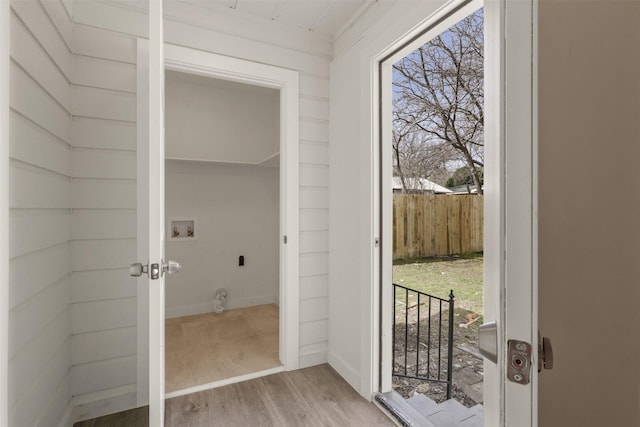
<point>137,269</point>
<point>170,267</point>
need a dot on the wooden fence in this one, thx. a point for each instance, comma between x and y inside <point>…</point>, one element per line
<point>427,225</point>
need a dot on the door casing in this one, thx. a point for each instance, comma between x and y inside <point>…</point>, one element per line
<point>432,27</point>
<point>510,207</point>
<point>212,65</point>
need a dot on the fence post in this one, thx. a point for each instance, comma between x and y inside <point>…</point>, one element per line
<point>450,349</point>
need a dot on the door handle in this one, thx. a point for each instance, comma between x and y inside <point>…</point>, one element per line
<point>488,341</point>
<point>137,269</point>
<point>170,267</point>
<point>545,353</point>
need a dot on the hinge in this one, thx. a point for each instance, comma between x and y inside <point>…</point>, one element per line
<point>285,239</point>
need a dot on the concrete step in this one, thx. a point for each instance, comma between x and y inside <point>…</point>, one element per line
<point>478,409</point>
<point>423,404</point>
<point>406,414</point>
<point>419,410</point>
<point>472,421</point>
<point>450,414</point>
<point>447,414</point>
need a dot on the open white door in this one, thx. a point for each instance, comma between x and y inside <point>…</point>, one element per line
<point>510,290</point>
<point>151,217</point>
<point>510,199</point>
<point>156,214</point>
<point>153,57</point>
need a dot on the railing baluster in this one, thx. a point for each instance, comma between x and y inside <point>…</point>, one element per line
<point>406,328</point>
<point>440,340</point>
<point>429,341</point>
<point>418,339</point>
<point>450,349</point>
<point>419,332</point>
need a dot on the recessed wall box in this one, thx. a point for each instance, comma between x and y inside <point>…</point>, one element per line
<point>182,229</point>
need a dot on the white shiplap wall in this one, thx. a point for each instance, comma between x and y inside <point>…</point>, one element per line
<point>103,184</point>
<point>40,217</point>
<point>103,197</point>
<point>353,328</point>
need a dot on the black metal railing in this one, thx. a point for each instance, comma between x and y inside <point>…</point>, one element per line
<point>418,326</point>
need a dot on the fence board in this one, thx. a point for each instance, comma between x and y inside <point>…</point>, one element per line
<point>426,225</point>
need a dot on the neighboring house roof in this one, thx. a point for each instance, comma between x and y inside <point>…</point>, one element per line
<point>464,189</point>
<point>419,184</point>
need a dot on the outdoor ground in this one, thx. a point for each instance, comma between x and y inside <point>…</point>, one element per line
<point>438,276</point>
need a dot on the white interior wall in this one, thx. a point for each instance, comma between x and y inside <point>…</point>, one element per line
<point>40,217</point>
<point>351,252</point>
<point>210,119</point>
<point>103,135</point>
<point>229,128</point>
<point>237,212</point>
<point>103,295</point>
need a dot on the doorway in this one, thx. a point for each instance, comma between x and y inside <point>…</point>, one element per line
<point>222,180</point>
<point>437,164</point>
<point>509,206</point>
<point>150,322</point>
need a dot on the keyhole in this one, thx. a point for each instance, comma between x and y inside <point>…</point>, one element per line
<point>518,362</point>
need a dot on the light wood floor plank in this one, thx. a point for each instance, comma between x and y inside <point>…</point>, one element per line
<point>310,397</point>
<point>209,347</point>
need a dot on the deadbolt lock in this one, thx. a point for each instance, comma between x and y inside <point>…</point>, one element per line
<point>519,361</point>
<point>154,273</point>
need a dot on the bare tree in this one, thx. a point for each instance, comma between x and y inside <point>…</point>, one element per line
<point>439,102</point>
<point>414,159</point>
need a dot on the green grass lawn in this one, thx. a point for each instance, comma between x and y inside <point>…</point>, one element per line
<point>437,276</point>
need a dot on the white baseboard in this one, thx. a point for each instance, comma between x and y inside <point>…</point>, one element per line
<point>98,404</point>
<point>350,375</point>
<point>312,355</point>
<point>207,307</point>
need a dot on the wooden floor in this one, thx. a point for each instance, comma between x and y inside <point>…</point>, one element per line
<point>310,397</point>
<point>210,347</point>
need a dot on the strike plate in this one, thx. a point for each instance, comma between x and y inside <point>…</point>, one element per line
<point>519,362</point>
<point>155,271</point>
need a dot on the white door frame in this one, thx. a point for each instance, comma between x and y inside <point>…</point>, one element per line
<point>212,65</point>
<point>510,207</point>
<point>511,288</point>
<point>436,24</point>
<point>150,161</point>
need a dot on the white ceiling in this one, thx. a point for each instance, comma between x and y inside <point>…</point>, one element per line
<point>325,17</point>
